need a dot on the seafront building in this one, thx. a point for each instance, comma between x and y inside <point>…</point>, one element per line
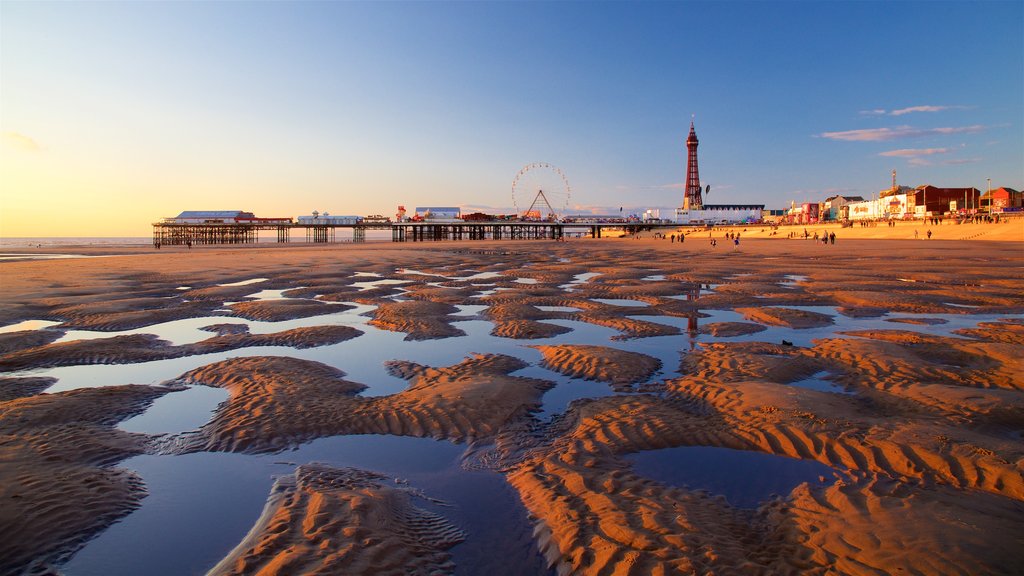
<point>1002,199</point>
<point>903,202</point>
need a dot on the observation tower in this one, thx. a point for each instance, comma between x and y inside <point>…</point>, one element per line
<point>692,200</point>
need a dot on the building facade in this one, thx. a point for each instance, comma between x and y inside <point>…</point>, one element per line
<point>1002,199</point>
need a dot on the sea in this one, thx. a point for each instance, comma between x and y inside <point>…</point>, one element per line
<point>51,241</point>
<point>48,242</point>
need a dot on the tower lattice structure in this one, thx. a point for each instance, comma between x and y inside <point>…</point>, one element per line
<point>692,200</point>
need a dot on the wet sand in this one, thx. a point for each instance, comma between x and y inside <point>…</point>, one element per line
<point>924,444</point>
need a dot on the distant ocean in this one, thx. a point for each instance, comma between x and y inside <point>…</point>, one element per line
<point>48,241</point>
<point>297,237</point>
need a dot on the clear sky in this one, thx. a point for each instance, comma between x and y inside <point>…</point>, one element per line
<point>114,115</point>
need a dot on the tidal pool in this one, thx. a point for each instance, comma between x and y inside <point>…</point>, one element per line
<point>821,383</point>
<point>201,505</point>
<point>177,412</point>
<point>745,478</point>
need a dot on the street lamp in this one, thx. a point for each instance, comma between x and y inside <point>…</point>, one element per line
<point>989,194</point>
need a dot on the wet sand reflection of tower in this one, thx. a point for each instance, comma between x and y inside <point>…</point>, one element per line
<point>692,294</point>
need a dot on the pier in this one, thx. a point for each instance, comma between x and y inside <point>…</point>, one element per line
<point>167,233</point>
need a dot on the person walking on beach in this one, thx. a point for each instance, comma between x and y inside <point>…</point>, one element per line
<point>832,238</point>
<point>736,243</point>
<point>929,233</point>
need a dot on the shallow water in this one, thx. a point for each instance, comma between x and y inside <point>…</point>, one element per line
<point>205,503</point>
<point>245,282</point>
<point>624,302</point>
<point>27,325</point>
<point>16,257</point>
<point>177,412</point>
<point>821,383</point>
<point>745,478</point>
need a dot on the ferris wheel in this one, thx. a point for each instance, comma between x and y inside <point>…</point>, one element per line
<point>540,191</point>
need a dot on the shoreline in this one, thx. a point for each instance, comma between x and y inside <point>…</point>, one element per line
<point>1010,229</point>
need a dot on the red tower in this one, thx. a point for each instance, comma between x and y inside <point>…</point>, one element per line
<point>692,200</point>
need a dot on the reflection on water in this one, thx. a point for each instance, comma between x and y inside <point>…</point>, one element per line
<point>27,325</point>
<point>621,302</point>
<point>745,478</point>
<point>14,257</point>
<point>177,412</point>
<point>558,309</point>
<point>245,282</point>
<point>821,383</point>
<point>579,279</point>
<point>205,504</point>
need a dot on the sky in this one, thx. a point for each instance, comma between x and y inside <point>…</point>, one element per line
<point>114,115</point>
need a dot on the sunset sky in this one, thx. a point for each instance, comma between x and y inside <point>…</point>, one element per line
<point>114,115</point>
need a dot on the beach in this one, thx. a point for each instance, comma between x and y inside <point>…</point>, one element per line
<point>888,365</point>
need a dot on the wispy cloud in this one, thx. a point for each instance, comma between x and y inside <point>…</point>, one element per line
<point>909,110</point>
<point>898,132</point>
<point>923,161</point>
<point>19,141</point>
<point>912,109</point>
<point>915,152</point>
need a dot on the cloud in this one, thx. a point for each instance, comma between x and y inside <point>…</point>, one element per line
<point>909,110</point>
<point>884,134</point>
<point>915,152</point>
<point>19,141</point>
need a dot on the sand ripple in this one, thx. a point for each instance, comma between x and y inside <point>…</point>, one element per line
<point>601,363</point>
<point>324,520</point>
<point>420,319</point>
<point>54,484</point>
<point>133,348</point>
<point>277,402</point>
<point>278,310</point>
<point>787,317</point>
